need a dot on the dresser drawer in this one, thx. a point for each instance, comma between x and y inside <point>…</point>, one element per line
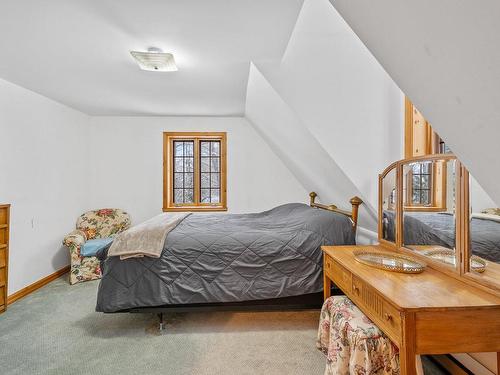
<point>2,276</point>
<point>4,216</point>
<point>2,297</point>
<point>381,312</point>
<point>3,235</point>
<point>340,276</point>
<point>3,257</point>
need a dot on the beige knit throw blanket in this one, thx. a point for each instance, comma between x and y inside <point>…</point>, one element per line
<point>146,239</point>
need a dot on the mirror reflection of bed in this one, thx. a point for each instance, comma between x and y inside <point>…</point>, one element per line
<point>429,217</point>
<point>484,231</point>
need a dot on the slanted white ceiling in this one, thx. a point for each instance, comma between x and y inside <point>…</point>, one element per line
<point>445,56</point>
<point>77,52</point>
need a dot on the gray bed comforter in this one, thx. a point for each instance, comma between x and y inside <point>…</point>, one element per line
<point>424,228</point>
<point>228,258</point>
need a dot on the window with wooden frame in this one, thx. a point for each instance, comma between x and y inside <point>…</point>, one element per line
<point>194,171</point>
<point>426,181</point>
<point>421,182</point>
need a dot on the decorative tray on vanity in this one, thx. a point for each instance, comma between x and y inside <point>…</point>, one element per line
<point>389,261</point>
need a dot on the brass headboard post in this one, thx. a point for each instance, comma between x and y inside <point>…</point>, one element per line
<point>313,196</point>
<point>353,215</point>
<point>355,202</point>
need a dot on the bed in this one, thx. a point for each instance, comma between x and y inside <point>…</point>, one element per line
<point>231,261</point>
<point>438,228</point>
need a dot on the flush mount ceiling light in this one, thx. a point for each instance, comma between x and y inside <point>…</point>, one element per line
<point>155,60</point>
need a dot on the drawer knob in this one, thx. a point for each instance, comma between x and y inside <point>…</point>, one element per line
<point>355,288</point>
<point>388,317</point>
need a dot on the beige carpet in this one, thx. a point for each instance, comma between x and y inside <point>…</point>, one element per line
<point>56,331</point>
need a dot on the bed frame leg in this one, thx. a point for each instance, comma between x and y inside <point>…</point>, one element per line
<point>162,325</point>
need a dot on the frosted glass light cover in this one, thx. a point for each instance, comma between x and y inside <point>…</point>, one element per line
<point>155,61</point>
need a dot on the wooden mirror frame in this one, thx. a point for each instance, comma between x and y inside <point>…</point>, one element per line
<point>462,216</point>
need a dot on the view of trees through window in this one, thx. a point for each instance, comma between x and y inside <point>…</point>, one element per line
<point>421,184</point>
<point>183,172</point>
<point>194,171</point>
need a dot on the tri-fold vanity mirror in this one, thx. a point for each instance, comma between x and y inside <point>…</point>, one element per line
<point>433,209</point>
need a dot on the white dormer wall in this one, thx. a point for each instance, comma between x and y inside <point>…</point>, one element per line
<point>299,150</point>
<point>344,100</point>
<point>445,56</point>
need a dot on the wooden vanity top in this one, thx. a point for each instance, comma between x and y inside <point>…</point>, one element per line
<point>429,290</point>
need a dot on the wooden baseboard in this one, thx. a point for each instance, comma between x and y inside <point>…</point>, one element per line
<point>36,285</point>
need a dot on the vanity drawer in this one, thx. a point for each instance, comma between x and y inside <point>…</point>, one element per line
<point>381,312</point>
<point>328,266</point>
<point>392,318</point>
<point>340,276</point>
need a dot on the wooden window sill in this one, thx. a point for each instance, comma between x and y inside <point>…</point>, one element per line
<point>424,208</point>
<point>194,209</point>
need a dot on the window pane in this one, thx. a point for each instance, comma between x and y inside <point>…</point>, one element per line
<point>215,196</point>
<point>425,181</point>
<point>205,180</point>
<point>178,180</point>
<point>416,181</point>
<point>188,148</point>
<point>179,162</point>
<point>188,180</point>
<point>205,164</point>
<point>178,148</point>
<point>425,167</point>
<point>215,148</point>
<point>188,165</point>
<point>416,168</point>
<point>205,196</point>
<point>188,196</point>
<point>425,197</point>
<point>214,180</point>
<point>416,196</point>
<point>205,148</point>
<point>215,164</point>
<point>178,196</point>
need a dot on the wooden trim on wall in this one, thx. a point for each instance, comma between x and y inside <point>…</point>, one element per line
<point>408,128</point>
<point>196,137</point>
<point>36,285</point>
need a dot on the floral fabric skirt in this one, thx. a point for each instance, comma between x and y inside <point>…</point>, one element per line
<point>352,343</point>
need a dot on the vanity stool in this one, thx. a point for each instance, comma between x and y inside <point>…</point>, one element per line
<point>352,343</point>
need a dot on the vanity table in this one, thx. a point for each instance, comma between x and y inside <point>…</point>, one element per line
<point>446,308</point>
<point>426,313</point>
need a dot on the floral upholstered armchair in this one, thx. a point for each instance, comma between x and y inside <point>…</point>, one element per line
<point>107,222</point>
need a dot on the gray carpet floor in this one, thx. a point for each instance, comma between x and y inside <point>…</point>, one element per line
<point>56,331</point>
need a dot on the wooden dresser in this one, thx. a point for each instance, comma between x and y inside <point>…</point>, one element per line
<point>4,254</point>
<point>426,313</point>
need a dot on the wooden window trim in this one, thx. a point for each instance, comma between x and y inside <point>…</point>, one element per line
<point>431,147</point>
<point>168,161</point>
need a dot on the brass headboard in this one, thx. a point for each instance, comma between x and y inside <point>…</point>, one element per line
<point>353,215</point>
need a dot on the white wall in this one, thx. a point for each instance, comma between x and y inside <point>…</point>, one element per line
<point>297,147</point>
<point>479,199</point>
<point>444,55</point>
<point>334,114</point>
<point>126,164</point>
<point>43,165</point>
<point>342,94</point>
